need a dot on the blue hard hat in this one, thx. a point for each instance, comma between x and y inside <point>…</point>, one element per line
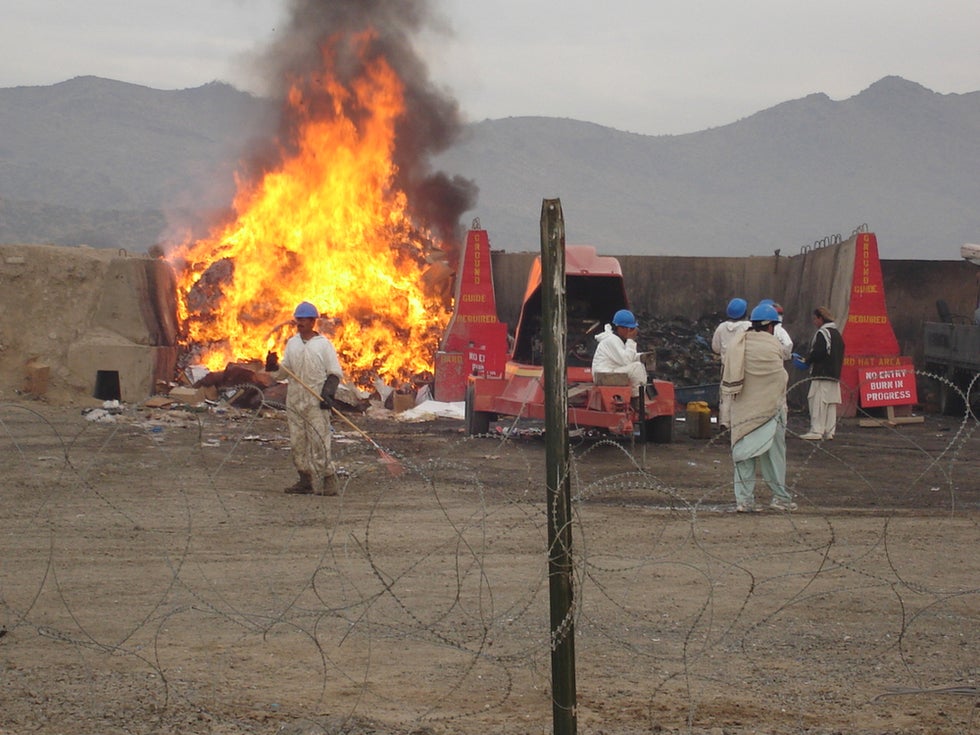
<point>764,313</point>
<point>767,301</point>
<point>306,310</point>
<point>736,308</point>
<point>625,318</point>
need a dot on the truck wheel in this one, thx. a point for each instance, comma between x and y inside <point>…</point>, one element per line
<point>660,430</point>
<point>951,403</point>
<point>477,422</point>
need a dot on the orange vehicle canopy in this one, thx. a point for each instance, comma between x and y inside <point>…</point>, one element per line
<point>580,260</point>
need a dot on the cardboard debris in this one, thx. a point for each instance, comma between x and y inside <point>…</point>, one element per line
<point>193,396</point>
<point>403,402</point>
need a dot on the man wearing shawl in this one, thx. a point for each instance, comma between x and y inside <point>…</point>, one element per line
<point>755,379</point>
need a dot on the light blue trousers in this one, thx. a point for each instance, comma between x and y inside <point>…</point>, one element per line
<point>764,450</point>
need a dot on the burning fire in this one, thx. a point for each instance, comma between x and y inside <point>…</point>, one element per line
<point>327,226</point>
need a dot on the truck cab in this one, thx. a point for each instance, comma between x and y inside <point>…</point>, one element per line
<point>951,350</point>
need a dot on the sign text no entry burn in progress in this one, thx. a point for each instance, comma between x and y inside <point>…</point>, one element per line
<point>890,386</point>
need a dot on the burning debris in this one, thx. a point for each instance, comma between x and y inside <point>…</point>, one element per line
<point>342,209</point>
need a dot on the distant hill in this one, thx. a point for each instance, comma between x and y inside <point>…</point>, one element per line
<point>105,163</point>
<point>115,165</point>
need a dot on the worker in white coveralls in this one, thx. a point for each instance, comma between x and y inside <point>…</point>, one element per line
<point>616,351</point>
<point>756,380</point>
<point>311,357</point>
<point>779,332</point>
<point>737,312</point>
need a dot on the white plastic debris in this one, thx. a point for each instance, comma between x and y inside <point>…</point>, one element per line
<point>100,415</point>
<point>430,410</point>
<point>384,390</point>
<point>195,372</point>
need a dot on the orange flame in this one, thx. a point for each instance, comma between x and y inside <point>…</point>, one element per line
<point>328,226</point>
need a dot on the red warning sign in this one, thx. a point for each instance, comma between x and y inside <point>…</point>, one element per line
<point>888,386</point>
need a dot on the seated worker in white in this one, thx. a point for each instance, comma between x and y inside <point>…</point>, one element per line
<point>616,351</point>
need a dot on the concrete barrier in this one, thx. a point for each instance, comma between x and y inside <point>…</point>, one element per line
<point>101,321</point>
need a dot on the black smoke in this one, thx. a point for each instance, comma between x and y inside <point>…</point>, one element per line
<point>432,121</point>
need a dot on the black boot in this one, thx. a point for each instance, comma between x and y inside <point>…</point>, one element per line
<point>303,486</point>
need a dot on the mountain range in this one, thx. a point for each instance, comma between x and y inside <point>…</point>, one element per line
<point>112,164</point>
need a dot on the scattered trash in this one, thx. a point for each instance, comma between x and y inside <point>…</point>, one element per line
<point>384,390</point>
<point>430,410</point>
<point>195,373</point>
<point>523,432</point>
<point>99,415</point>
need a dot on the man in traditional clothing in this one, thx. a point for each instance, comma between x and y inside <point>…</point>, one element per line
<point>825,360</point>
<point>755,379</point>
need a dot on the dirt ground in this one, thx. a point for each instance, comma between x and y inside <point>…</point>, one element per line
<point>155,579</point>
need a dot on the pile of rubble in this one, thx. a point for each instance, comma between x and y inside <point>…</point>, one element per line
<point>682,348</point>
<point>250,385</point>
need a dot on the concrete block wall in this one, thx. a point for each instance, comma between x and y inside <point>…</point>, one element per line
<point>84,311</point>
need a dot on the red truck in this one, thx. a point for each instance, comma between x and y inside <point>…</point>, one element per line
<point>512,387</point>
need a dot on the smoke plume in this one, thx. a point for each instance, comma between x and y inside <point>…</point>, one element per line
<point>432,120</point>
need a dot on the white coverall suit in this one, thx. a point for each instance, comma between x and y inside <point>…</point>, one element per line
<point>309,425</point>
<point>614,355</point>
<point>725,333</point>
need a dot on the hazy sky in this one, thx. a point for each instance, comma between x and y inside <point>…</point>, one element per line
<point>646,66</point>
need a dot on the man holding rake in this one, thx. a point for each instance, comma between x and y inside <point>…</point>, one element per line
<point>310,360</point>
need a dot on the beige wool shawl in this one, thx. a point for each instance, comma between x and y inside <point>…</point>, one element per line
<point>756,380</point>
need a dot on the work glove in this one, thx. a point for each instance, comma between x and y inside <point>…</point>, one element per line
<point>799,363</point>
<point>328,391</point>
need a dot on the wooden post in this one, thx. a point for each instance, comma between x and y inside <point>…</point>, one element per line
<point>890,419</point>
<point>560,570</point>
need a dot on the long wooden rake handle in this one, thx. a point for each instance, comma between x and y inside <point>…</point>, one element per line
<point>385,457</point>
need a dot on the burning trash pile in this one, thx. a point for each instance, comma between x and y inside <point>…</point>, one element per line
<point>345,212</point>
